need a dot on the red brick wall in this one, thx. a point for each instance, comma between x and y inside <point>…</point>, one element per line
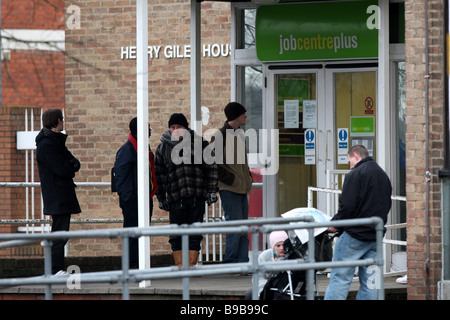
<point>12,168</point>
<point>33,78</point>
<point>418,277</point>
<point>33,14</point>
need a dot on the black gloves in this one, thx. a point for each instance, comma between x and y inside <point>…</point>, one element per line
<point>164,205</point>
<point>211,198</point>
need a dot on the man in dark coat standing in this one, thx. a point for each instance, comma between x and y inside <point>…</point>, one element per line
<point>57,167</point>
<point>125,169</point>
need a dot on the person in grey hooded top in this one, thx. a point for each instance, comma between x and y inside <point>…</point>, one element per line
<point>184,181</point>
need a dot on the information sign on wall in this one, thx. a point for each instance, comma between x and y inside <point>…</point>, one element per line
<point>320,30</point>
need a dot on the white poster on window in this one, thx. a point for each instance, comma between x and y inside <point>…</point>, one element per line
<point>291,119</point>
<point>309,114</point>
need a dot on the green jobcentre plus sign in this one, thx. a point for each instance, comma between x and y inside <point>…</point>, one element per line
<point>319,31</point>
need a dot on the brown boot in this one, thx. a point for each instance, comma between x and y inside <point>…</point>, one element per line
<point>193,257</point>
<point>178,257</point>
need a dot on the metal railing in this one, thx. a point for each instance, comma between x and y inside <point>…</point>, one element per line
<point>211,251</point>
<point>255,227</point>
<point>386,241</point>
<point>46,221</point>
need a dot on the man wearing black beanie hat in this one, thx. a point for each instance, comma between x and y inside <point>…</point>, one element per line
<point>235,181</point>
<point>178,118</point>
<point>234,110</point>
<point>184,183</point>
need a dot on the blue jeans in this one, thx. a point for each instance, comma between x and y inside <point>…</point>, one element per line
<point>349,248</point>
<point>235,206</point>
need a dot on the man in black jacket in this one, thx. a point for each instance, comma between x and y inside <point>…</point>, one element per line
<point>366,193</point>
<point>57,167</point>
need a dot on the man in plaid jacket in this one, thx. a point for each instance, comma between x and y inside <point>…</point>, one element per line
<point>184,181</point>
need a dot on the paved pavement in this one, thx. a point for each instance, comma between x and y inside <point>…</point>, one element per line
<point>205,287</point>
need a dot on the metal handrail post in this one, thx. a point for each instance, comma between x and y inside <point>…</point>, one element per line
<point>310,272</point>
<point>255,263</point>
<point>125,267</point>
<point>380,261</point>
<point>185,264</point>
<point>48,267</point>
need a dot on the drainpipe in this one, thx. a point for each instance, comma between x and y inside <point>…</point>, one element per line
<point>444,174</point>
<point>427,167</point>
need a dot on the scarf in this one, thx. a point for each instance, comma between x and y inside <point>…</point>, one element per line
<point>151,163</point>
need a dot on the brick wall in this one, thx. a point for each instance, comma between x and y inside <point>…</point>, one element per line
<point>418,281</point>
<point>32,14</point>
<point>12,168</point>
<point>101,93</point>
<point>31,79</point>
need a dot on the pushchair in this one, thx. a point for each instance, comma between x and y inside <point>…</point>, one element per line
<point>291,285</point>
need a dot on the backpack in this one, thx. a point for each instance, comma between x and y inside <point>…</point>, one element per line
<point>113,177</point>
<point>113,180</point>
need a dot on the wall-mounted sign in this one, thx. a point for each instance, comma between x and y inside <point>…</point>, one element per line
<point>362,126</point>
<point>177,51</point>
<point>310,147</point>
<point>324,30</point>
<point>368,105</point>
<point>342,143</point>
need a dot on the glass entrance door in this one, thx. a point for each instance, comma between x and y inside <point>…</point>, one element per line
<point>294,100</point>
<point>295,93</point>
<point>319,113</point>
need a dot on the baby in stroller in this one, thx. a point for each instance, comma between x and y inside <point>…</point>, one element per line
<point>286,285</point>
<point>273,253</point>
<point>291,285</point>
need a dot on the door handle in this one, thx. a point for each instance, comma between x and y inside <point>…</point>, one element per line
<point>320,133</point>
<point>328,158</point>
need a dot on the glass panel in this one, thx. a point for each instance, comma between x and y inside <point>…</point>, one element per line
<point>294,176</point>
<point>246,39</point>
<point>399,188</point>
<point>355,96</point>
<point>251,98</point>
<point>396,23</point>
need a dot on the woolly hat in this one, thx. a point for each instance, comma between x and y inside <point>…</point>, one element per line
<point>277,236</point>
<point>178,118</point>
<point>234,110</point>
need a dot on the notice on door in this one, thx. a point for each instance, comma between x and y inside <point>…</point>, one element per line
<point>310,147</point>
<point>342,145</point>
<point>309,114</point>
<point>291,119</point>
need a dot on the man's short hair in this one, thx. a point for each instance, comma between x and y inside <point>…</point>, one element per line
<point>50,118</point>
<point>360,150</point>
<point>133,127</point>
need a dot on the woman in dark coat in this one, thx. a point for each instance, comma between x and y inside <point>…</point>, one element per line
<point>57,167</point>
